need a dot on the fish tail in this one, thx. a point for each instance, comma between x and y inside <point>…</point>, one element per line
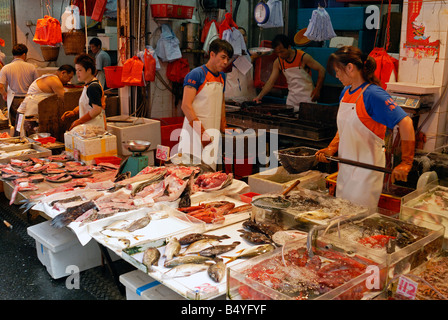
<point>230,258</point>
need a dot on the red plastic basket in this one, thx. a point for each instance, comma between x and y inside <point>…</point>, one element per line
<point>113,76</point>
<point>112,160</point>
<point>46,140</point>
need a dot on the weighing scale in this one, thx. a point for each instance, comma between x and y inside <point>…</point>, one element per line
<point>137,161</point>
<point>413,101</point>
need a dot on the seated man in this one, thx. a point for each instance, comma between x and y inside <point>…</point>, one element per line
<point>27,121</point>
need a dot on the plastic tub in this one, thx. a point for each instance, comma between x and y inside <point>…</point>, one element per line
<point>112,160</point>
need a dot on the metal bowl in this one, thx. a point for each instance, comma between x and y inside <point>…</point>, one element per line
<point>137,145</point>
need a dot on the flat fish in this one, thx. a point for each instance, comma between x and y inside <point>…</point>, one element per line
<point>151,257</point>
<point>217,271</point>
<point>218,249</point>
<point>185,270</point>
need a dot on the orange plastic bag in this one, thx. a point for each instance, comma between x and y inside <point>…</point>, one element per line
<point>98,10</point>
<point>385,65</point>
<point>150,66</point>
<point>48,31</point>
<point>132,74</point>
<point>177,70</point>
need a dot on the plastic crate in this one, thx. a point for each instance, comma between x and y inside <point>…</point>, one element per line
<point>167,126</point>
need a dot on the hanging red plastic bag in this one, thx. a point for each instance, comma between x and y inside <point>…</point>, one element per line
<point>132,74</point>
<point>177,70</point>
<point>48,31</point>
<point>150,66</point>
<point>98,10</point>
<point>385,65</point>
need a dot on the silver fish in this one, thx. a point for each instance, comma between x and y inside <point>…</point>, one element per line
<point>151,257</point>
<point>185,260</point>
<point>185,270</point>
<point>118,243</point>
<point>252,252</point>
<point>172,249</point>
<point>138,224</point>
<point>199,245</point>
<point>217,271</point>
<point>120,233</point>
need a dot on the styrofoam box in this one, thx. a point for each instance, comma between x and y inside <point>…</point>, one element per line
<point>89,149</point>
<point>138,129</point>
<point>59,248</point>
<point>140,286</point>
<point>278,179</point>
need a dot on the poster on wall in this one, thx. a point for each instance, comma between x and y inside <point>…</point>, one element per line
<point>417,41</point>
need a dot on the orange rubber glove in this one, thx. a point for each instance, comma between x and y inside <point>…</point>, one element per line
<point>400,172</point>
<point>70,114</point>
<point>330,150</point>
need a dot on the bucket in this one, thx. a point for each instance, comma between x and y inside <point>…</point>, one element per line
<point>113,76</point>
<point>49,53</point>
<point>74,42</point>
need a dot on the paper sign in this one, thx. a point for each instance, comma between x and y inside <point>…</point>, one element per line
<point>242,64</point>
<point>163,152</point>
<point>407,287</point>
<point>19,122</point>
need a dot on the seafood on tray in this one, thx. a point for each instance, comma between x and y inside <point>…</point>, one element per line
<point>214,211</point>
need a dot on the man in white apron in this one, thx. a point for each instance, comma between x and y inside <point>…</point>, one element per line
<point>15,79</point>
<point>204,107</point>
<point>92,101</point>
<point>43,87</point>
<point>296,66</point>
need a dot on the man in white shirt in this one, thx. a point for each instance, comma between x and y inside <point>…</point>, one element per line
<point>15,79</point>
<point>102,59</point>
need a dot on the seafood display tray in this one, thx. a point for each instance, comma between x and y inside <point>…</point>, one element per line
<point>309,208</point>
<point>365,237</point>
<point>427,278</point>
<point>198,286</point>
<point>229,219</point>
<point>263,277</point>
<point>35,151</point>
<point>427,207</point>
<point>165,222</point>
<point>13,144</point>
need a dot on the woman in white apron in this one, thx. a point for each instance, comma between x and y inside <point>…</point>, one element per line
<point>295,65</point>
<point>204,107</point>
<point>365,111</point>
<point>92,101</point>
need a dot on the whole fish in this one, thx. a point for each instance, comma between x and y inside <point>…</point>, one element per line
<point>199,245</point>
<point>151,257</point>
<point>218,249</point>
<point>217,271</point>
<point>192,237</point>
<point>118,243</point>
<point>185,260</point>
<point>263,227</point>
<point>120,233</point>
<point>65,218</point>
<point>138,224</point>
<point>254,237</point>
<point>185,270</point>
<point>252,252</point>
<point>172,249</point>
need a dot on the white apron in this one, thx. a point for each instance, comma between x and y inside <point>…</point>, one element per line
<point>84,107</point>
<point>207,105</point>
<point>300,86</point>
<point>358,185</point>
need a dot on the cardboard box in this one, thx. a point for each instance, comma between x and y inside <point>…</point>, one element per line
<point>89,149</point>
<point>58,249</point>
<point>134,129</point>
<point>140,286</point>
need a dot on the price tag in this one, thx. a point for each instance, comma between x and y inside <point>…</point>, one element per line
<point>163,152</point>
<point>203,291</point>
<point>407,287</point>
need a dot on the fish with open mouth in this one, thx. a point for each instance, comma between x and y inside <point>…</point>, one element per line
<point>151,257</point>
<point>217,270</point>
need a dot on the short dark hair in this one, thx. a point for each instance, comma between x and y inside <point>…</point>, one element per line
<point>86,61</point>
<point>219,45</point>
<point>19,49</point>
<point>96,42</point>
<point>281,39</point>
<point>68,68</point>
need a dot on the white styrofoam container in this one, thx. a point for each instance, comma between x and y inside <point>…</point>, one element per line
<point>140,286</point>
<point>58,249</point>
<point>89,149</point>
<point>139,129</point>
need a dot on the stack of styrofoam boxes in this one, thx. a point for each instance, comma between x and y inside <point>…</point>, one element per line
<point>140,286</point>
<point>137,129</point>
<point>59,249</point>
